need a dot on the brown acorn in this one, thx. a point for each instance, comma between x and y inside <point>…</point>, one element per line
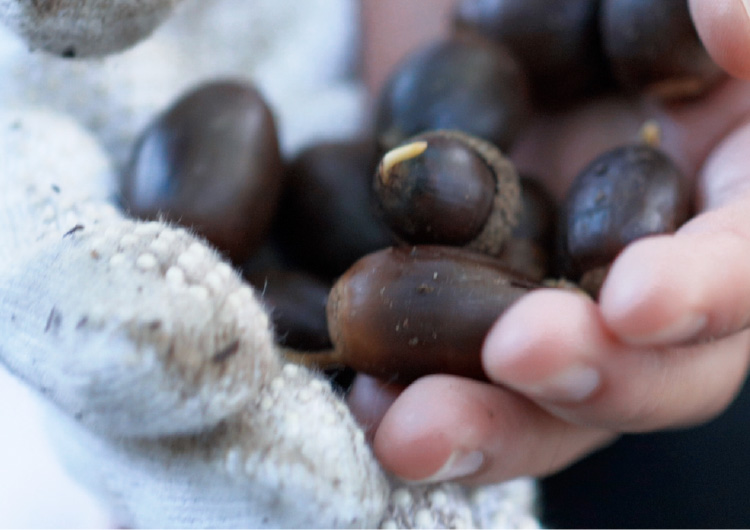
<point>211,162</point>
<point>529,248</point>
<point>296,302</point>
<point>405,312</point>
<point>625,194</point>
<point>468,84</point>
<point>536,220</point>
<point>556,42</point>
<point>449,188</point>
<point>652,46</point>
<point>326,218</point>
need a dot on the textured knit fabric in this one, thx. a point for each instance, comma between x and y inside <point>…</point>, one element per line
<point>168,399</point>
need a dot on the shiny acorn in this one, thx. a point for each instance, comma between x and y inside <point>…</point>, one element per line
<point>652,46</point>
<point>405,312</point>
<point>211,162</point>
<point>296,302</point>
<point>447,187</point>
<point>536,220</point>
<point>468,84</point>
<point>556,42</point>
<point>327,218</point>
<point>626,193</point>
<point>529,248</point>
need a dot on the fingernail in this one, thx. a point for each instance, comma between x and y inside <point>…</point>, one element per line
<point>679,331</point>
<point>746,5</point>
<point>574,384</point>
<point>459,464</point>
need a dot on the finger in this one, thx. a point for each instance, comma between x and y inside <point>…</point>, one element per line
<point>692,285</point>
<point>725,175</point>
<point>691,130</point>
<point>676,289</point>
<point>445,427</point>
<point>553,347</point>
<point>724,28</point>
<point>369,400</point>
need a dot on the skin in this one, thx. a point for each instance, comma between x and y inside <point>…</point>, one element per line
<point>666,346</point>
<point>391,28</point>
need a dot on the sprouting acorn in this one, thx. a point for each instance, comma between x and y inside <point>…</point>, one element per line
<point>447,187</point>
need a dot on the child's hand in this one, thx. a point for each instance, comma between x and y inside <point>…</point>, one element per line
<point>666,345</point>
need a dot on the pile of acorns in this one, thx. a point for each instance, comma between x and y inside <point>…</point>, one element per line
<point>394,255</point>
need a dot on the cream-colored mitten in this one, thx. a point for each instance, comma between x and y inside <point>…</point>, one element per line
<point>172,404</point>
<point>176,408</point>
<point>161,357</point>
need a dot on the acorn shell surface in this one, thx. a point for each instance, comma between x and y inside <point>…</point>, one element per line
<point>472,85</point>
<point>210,162</point>
<point>296,303</point>
<point>653,46</point>
<point>327,217</point>
<point>556,42</point>
<point>627,193</point>
<point>405,312</point>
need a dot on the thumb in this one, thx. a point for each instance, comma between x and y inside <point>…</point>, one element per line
<point>724,28</point>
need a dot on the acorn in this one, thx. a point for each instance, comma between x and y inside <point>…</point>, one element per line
<point>556,42</point>
<point>211,162</point>
<point>652,46</point>
<point>447,187</point>
<point>626,193</point>
<point>296,303</point>
<point>405,312</point>
<point>268,256</point>
<point>536,220</point>
<point>327,218</point>
<point>529,248</point>
<point>468,84</point>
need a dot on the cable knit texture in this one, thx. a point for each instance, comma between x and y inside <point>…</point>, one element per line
<point>171,402</point>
